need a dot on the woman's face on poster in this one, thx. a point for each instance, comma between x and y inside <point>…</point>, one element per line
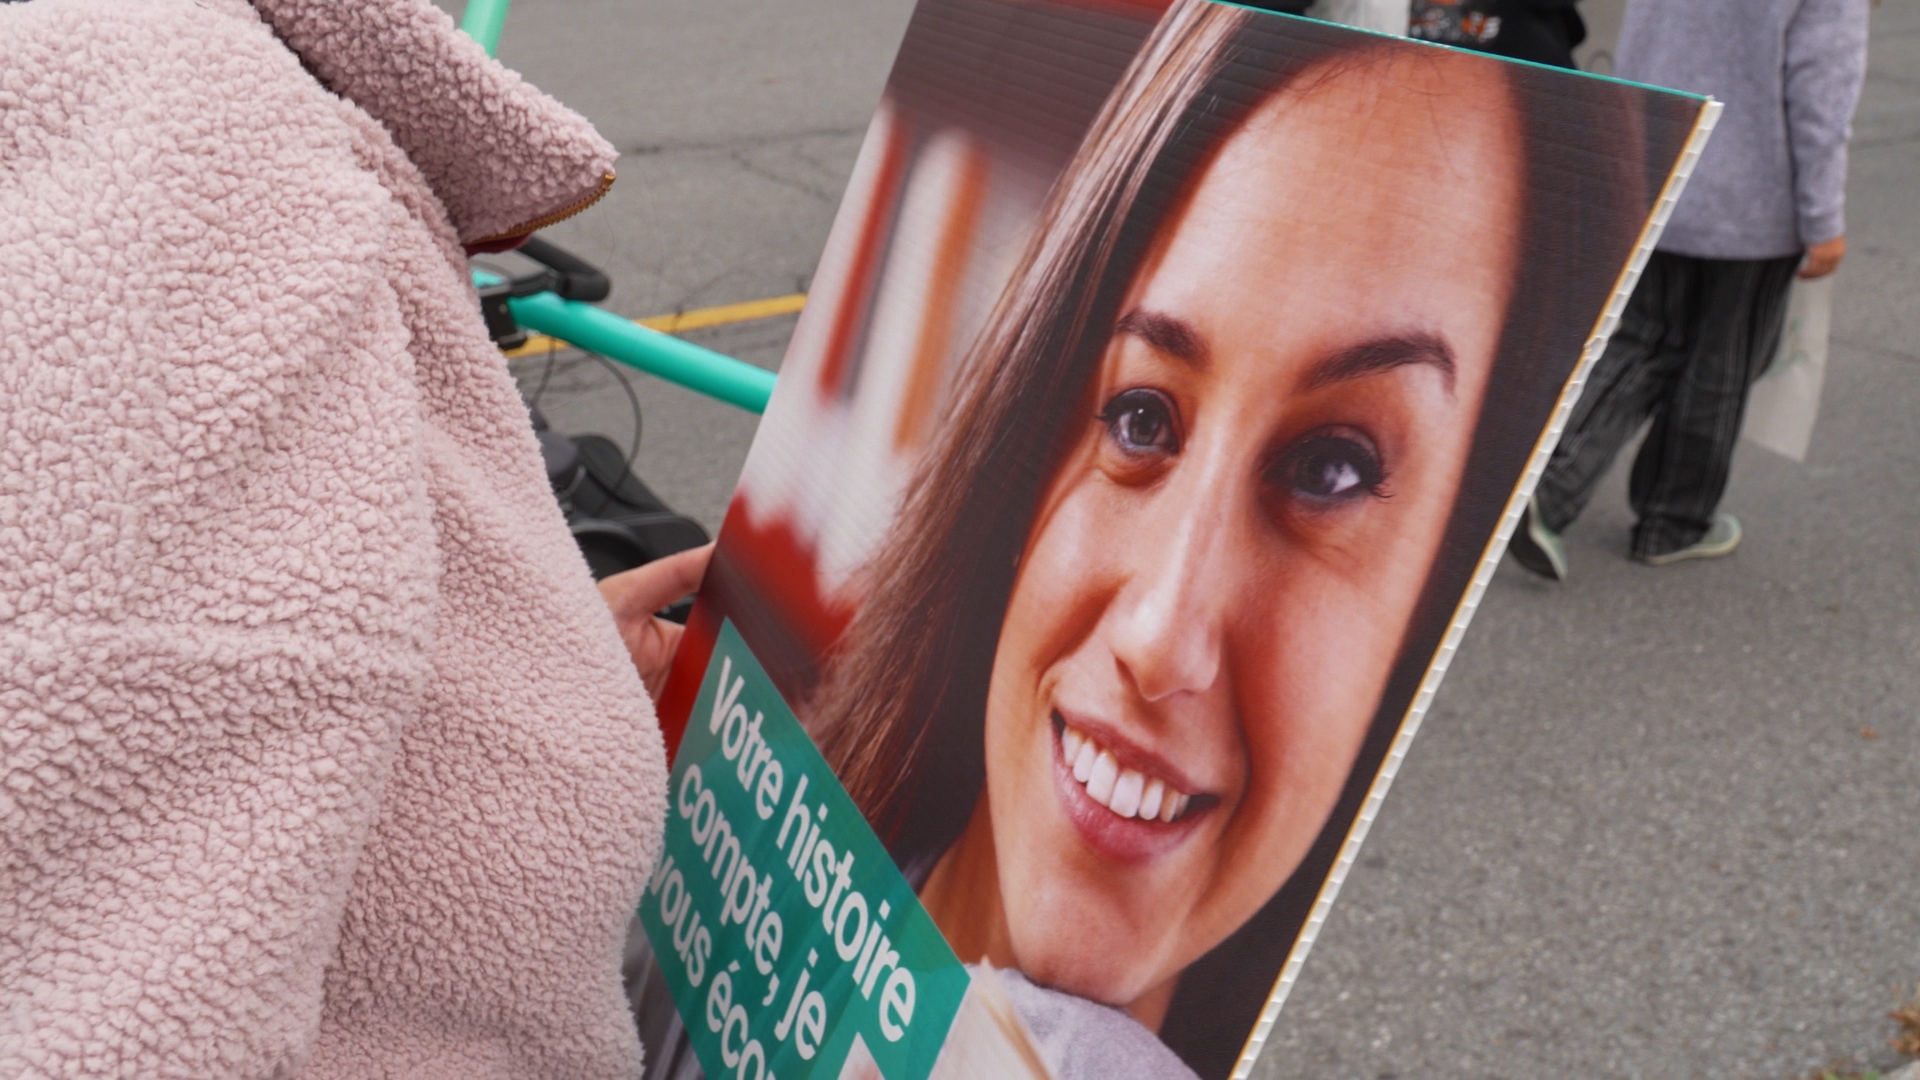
<point>1220,576</point>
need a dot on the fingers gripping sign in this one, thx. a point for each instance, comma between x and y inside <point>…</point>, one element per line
<point>635,595</point>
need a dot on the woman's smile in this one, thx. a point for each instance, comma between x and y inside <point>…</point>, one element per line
<point>1125,802</point>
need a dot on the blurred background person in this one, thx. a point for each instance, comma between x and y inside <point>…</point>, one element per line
<point>1542,31</point>
<point>1765,201</point>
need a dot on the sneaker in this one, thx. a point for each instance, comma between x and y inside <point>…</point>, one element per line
<point>1720,540</point>
<point>1538,548</point>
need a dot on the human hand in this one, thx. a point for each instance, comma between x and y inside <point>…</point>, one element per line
<point>1823,258</point>
<point>634,596</point>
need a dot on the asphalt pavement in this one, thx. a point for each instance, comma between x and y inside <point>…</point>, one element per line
<point>1660,823</point>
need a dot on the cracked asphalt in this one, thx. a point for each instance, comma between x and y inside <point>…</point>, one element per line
<point>1660,823</point>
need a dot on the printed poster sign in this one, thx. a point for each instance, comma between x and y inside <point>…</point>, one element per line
<point>751,864</point>
<point>1170,383</point>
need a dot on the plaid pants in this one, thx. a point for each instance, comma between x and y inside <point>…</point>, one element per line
<point>1693,338</point>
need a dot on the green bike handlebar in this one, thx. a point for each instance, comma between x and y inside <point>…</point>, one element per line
<point>703,371</point>
<point>482,21</point>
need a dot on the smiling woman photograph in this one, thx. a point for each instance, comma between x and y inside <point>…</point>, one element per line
<point>1158,401</point>
<point>1207,492</point>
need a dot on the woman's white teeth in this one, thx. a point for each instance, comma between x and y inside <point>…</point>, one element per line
<point>1126,792</point>
<point>1071,743</point>
<point>1100,784</point>
<point>1150,800</point>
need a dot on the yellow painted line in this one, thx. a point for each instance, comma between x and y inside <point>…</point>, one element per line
<point>697,319</point>
<point>535,346</point>
<point>702,318</point>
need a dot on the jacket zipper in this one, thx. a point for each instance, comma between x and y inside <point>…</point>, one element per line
<point>606,183</point>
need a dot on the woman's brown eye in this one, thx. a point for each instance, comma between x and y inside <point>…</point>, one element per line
<point>1141,421</point>
<point>1330,467</point>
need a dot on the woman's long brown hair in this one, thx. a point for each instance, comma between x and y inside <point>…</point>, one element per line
<point>907,686</point>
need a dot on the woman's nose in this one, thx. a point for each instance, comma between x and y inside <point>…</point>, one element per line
<point>1168,622</point>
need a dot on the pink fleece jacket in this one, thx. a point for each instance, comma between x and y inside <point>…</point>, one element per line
<point>319,754</point>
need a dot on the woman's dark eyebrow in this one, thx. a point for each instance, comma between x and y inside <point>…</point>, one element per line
<point>1384,354</point>
<point>1167,334</point>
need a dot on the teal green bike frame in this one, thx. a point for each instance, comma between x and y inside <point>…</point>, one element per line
<point>587,327</point>
<point>482,21</point>
<point>664,356</point>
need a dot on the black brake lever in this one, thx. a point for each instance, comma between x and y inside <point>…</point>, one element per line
<point>501,325</point>
<point>562,273</point>
<point>575,278</point>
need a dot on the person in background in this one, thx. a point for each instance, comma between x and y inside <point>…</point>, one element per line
<point>1541,31</point>
<point>1764,203</point>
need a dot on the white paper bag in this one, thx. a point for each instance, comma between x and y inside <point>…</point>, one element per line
<point>1386,16</point>
<point>1786,400</point>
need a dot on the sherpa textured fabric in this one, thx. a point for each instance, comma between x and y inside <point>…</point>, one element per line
<point>319,754</point>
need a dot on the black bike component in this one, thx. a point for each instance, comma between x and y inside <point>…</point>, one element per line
<point>618,522</point>
<point>611,547</point>
<point>561,273</point>
<point>613,489</point>
<point>501,325</point>
<point>561,456</point>
<point>574,277</point>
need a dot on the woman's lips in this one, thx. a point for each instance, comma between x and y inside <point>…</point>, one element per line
<point>1125,812</point>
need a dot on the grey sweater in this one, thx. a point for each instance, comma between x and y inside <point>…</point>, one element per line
<point>1773,178</point>
<point>1085,1040</point>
